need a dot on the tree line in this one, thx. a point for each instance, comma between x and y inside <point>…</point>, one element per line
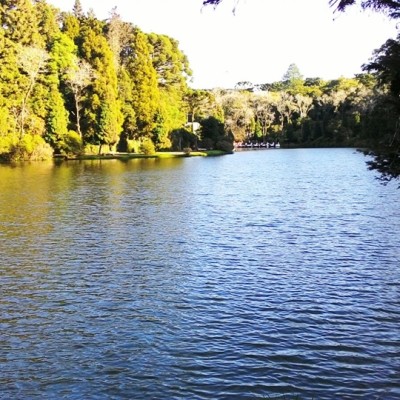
<point>71,83</point>
<point>74,84</point>
<point>308,112</point>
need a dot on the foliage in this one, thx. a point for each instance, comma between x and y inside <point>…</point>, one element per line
<point>7,143</point>
<point>147,147</point>
<point>133,146</point>
<point>71,144</point>
<point>183,138</point>
<point>30,148</point>
<point>106,80</point>
<point>145,94</point>
<point>385,65</point>
<point>78,83</point>
<point>187,151</point>
<point>214,136</point>
<point>224,145</point>
<point>391,7</point>
<point>171,65</point>
<point>78,76</point>
<point>91,149</point>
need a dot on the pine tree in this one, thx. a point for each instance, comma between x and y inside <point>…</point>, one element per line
<point>61,58</point>
<point>145,94</point>
<point>77,9</point>
<point>172,69</point>
<point>102,119</point>
<point>19,20</point>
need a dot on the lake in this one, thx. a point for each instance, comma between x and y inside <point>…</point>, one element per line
<point>259,275</point>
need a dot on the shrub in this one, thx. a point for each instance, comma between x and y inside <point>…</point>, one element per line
<point>6,144</point>
<point>91,149</point>
<point>41,152</point>
<point>32,148</point>
<point>164,143</point>
<point>224,145</point>
<point>133,146</point>
<point>147,147</point>
<point>187,151</point>
<point>71,143</point>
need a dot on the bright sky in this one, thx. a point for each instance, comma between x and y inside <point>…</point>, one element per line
<point>260,40</point>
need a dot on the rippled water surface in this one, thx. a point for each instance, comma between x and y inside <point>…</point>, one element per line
<point>256,275</point>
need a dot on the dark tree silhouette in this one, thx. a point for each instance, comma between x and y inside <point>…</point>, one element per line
<point>390,7</point>
<point>385,65</point>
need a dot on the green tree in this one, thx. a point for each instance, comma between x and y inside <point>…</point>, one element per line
<point>199,104</point>
<point>238,113</point>
<point>145,93</point>
<point>18,18</point>
<point>172,69</point>
<point>285,106</point>
<point>77,9</point>
<point>292,80</point>
<point>171,65</point>
<point>71,27</point>
<point>102,117</point>
<point>263,106</point>
<point>56,120</point>
<point>47,22</point>
<point>385,65</point>
<point>129,128</point>
<point>62,56</point>
<point>292,74</point>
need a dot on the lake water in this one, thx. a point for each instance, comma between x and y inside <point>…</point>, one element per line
<point>260,274</point>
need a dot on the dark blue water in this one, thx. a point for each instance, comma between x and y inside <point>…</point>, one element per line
<point>256,275</point>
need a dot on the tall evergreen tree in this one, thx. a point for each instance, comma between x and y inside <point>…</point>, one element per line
<point>102,119</point>
<point>173,70</point>
<point>145,94</point>
<point>77,9</point>
<point>116,33</point>
<point>71,27</point>
<point>62,53</point>
<point>47,20</point>
<point>18,18</point>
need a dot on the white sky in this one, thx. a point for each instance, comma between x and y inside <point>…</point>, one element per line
<point>260,40</point>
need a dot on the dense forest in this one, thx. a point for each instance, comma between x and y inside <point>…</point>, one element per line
<point>73,84</point>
